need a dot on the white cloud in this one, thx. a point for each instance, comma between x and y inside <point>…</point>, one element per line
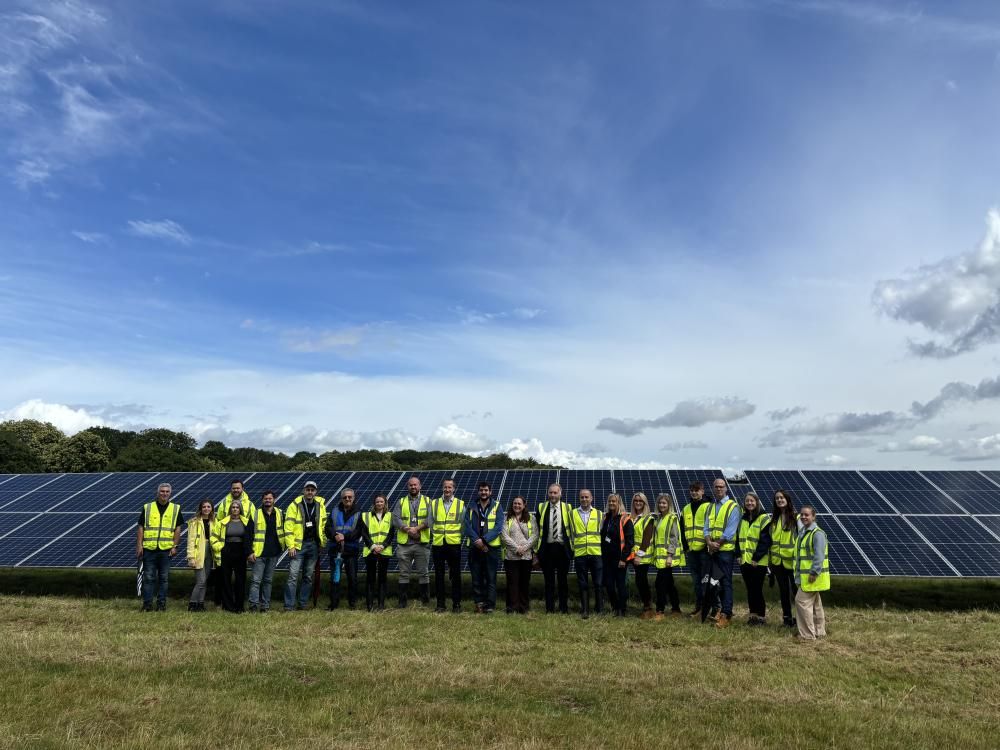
<point>684,414</point>
<point>918,443</point>
<point>694,445</point>
<point>163,229</point>
<point>533,448</point>
<point>454,438</point>
<point>307,340</point>
<point>834,460</point>
<point>780,415</point>
<point>66,418</point>
<point>91,238</point>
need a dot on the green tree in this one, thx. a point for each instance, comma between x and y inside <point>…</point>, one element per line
<point>143,456</point>
<point>170,440</point>
<point>82,452</point>
<point>18,457</point>
<point>116,440</point>
<point>41,437</point>
<point>218,452</point>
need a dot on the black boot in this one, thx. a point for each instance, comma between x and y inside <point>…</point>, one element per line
<point>402,598</point>
<point>425,594</point>
<point>598,602</point>
<point>585,604</point>
<point>192,607</point>
<point>381,598</point>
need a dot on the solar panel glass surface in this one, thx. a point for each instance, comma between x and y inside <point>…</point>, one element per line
<point>846,492</point>
<point>598,482</point>
<point>965,543</point>
<point>650,482</point>
<point>768,482</point>
<point>971,490</point>
<point>533,485</point>
<point>894,547</point>
<point>910,493</point>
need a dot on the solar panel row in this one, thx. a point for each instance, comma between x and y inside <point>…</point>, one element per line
<point>932,523</point>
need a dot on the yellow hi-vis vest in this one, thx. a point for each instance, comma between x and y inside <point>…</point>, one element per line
<point>783,543</point>
<point>219,534</point>
<point>447,527</point>
<point>157,528</point>
<point>246,504</point>
<point>198,540</point>
<point>491,519</point>
<point>639,527</point>
<point>665,526</point>
<point>717,521</point>
<point>804,562</point>
<point>423,506</point>
<point>379,531</point>
<point>565,510</point>
<point>260,529</point>
<point>749,535</point>
<point>586,536</point>
<point>295,520</point>
<point>694,526</point>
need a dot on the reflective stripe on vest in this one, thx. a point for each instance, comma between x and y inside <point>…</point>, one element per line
<point>158,530</point>
<point>783,543</point>
<point>661,537</point>
<point>717,520</point>
<point>295,521</point>
<point>804,562</point>
<point>247,508</point>
<point>378,531</point>
<point>260,530</point>
<point>491,519</point>
<point>638,529</point>
<point>694,527</point>
<point>750,536</point>
<point>586,536</point>
<point>447,522</point>
<point>423,505</point>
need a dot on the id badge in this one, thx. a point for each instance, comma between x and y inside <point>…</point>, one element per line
<point>607,539</point>
<point>309,524</point>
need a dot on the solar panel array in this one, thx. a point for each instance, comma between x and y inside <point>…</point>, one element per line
<point>885,523</point>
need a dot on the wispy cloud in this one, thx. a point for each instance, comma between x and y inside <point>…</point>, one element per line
<point>684,414</point>
<point>478,317</point>
<point>307,249</point>
<point>780,415</point>
<point>162,229</point>
<point>307,340</point>
<point>687,445</point>
<point>91,238</point>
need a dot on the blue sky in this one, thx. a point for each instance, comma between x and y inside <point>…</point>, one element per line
<point>743,233</point>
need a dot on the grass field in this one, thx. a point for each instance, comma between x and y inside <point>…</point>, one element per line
<point>94,672</point>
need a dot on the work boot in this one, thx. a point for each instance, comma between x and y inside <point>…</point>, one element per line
<point>456,609</point>
<point>192,607</point>
<point>161,606</point>
<point>253,609</point>
<point>658,617</point>
<point>402,599</point>
<point>584,605</point>
<point>647,614</point>
<point>147,608</point>
<point>722,622</point>
<point>425,594</point>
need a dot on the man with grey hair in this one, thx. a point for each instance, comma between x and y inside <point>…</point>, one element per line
<point>159,533</point>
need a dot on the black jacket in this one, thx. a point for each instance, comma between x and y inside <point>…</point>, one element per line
<point>614,549</point>
<point>543,529</point>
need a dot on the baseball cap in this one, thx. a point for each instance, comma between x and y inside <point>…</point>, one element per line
<point>312,484</point>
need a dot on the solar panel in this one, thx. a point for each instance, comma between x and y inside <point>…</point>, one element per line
<point>54,494</point>
<point>467,485</point>
<point>651,482</point>
<point>598,482</point>
<point>911,493</point>
<point>965,544</point>
<point>532,484</point>
<point>367,484</point>
<point>681,479</point>
<point>894,547</point>
<point>740,491</point>
<point>845,557</point>
<point>970,489</point>
<point>22,485</point>
<point>846,492</point>
<point>766,483</point>
<point>276,481</point>
<point>10,521</point>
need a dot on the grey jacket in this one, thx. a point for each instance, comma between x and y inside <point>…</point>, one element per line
<point>519,534</point>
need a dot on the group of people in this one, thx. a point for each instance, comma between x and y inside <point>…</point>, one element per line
<point>711,536</point>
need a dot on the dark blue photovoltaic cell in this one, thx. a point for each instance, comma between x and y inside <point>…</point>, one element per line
<point>910,493</point>
<point>740,491</point>
<point>650,482</point>
<point>894,547</point>
<point>63,539</point>
<point>18,487</point>
<point>367,484</point>
<point>845,559</point>
<point>10,521</point>
<point>598,482</point>
<point>533,485</point>
<point>965,544</point>
<point>276,481</point>
<point>766,483</point>
<point>430,483</point>
<point>846,492</point>
<point>681,479</point>
<point>108,491</point>
<point>990,522</point>
<point>971,490</point>
<point>145,492</point>
<point>467,485</point>
<point>59,495</point>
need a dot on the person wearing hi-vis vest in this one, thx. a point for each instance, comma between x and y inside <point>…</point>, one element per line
<point>617,543</point>
<point>643,549</point>
<point>722,524</point>
<point>693,541</point>
<point>784,527</point>
<point>668,553</point>
<point>755,550</point>
<point>483,522</point>
<point>375,528</point>
<point>411,517</point>
<point>232,543</point>
<point>519,532</point>
<point>200,557</point>
<point>812,574</point>
<point>344,548</point>
<point>236,493</point>
<point>305,535</point>
<point>268,544</point>
<point>554,548</point>
<point>446,544</point>
<point>585,531</point>
<point>158,534</point>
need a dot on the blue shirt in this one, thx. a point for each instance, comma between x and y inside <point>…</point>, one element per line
<point>732,525</point>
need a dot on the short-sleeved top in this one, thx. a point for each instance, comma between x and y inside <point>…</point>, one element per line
<point>142,515</point>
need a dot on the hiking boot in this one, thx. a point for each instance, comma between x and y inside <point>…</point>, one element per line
<point>402,601</point>
<point>192,607</point>
<point>147,608</point>
<point>722,622</point>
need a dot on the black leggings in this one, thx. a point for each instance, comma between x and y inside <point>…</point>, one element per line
<point>642,583</point>
<point>375,582</point>
<point>754,577</point>
<point>665,587</point>
<point>787,587</point>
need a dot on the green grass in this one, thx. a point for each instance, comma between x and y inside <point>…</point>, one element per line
<point>91,671</point>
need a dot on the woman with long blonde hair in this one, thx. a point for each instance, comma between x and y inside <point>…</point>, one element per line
<point>643,527</point>
<point>617,541</point>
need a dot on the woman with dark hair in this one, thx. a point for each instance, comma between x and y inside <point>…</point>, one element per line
<point>519,534</point>
<point>755,551</point>
<point>232,542</point>
<point>783,529</point>
<point>375,528</point>
<point>617,543</point>
<point>200,556</point>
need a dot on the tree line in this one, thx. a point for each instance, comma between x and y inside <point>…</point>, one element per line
<point>28,446</point>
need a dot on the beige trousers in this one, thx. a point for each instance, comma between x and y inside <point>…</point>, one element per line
<point>810,615</point>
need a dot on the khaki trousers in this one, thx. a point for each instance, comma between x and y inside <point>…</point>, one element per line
<point>810,615</point>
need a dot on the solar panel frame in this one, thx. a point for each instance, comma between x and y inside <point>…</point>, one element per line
<point>972,490</point>
<point>910,493</point>
<point>894,547</point>
<point>970,548</point>
<point>599,482</point>
<point>846,492</point>
<point>651,482</point>
<point>24,485</point>
<point>769,481</point>
<point>533,484</point>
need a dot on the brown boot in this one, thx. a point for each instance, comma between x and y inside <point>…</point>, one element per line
<point>659,617</point>
<point>722,622</point>
<point>647,614</point>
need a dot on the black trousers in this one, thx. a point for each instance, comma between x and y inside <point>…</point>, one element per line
<point>348,570</point>
<point>787,589</point>
<point>753,578</point>
<point>589,572</point>
<point>642,583</point>
<point>666,588</point>
<point>518,584</point>
<point>614,585</point>
<point>555,569</point>
<point>376,585</point>
<point>450,555</point>
<point>234,577</point>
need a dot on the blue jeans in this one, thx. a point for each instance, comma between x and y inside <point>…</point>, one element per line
<point>304,562</point>
<point>260,584</point>
<point>155,571</point>
<point>726,584</point>
<point>483,566</point>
